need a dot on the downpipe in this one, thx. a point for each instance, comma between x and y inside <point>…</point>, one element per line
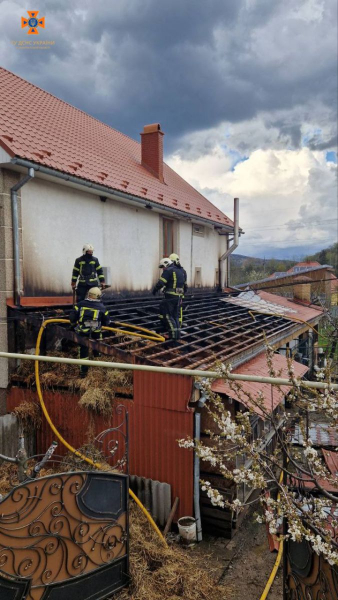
<point>234,244</point>
<point>16,240</point>
<point>197,508</point>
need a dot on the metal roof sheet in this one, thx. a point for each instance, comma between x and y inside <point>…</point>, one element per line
<point>252,392</point>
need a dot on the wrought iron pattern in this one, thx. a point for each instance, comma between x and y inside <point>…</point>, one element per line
<point>321,581</point>
<point>113,443</point>
<point>47,537</point>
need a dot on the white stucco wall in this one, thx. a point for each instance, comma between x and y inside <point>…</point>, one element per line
<point>202,252</point>
<point>58,220</point>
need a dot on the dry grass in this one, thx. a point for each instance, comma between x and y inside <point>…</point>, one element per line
<point>97,390</point>
<point>6,470</point>
<point>159,573</point>
<point>71,462</point>
<point>100,387</point>
<point>29,415</point>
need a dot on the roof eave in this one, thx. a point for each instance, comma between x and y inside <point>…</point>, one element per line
<point>118,193</point>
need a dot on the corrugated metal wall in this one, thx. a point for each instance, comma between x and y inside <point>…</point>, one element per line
<point>158,417</point>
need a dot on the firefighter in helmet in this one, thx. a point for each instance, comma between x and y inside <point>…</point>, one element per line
<point>87,318</point>
<point>172,282</point>
<point>176,260</point>
<point>87,273</point>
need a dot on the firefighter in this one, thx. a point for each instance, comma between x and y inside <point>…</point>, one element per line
<point>87,318</point>
<point>176,260</point>
<point>172,280</point>
<point>87,273</point>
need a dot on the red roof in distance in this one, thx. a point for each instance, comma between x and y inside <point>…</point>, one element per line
<point>38,127</point>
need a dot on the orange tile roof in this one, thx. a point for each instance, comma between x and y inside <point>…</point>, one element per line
<point>37,126</point>
<point>272,395</point>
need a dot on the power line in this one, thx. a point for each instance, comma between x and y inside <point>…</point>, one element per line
<point>303,226</point>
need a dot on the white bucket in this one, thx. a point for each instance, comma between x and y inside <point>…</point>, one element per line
<point>187,529</point>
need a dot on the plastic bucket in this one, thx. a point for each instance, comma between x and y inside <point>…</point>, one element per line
<point>187,529</point>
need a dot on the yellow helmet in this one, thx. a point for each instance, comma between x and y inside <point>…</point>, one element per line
<point>94,293</point>
<point>174,258</point>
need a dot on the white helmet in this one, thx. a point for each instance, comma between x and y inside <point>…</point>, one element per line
<point>87,247</point>
<point>164,263</point>
<point>174,258</point>
<point>94,293</point>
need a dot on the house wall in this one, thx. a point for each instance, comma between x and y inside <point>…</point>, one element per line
<point>200,252</point>
<point>58,220</point>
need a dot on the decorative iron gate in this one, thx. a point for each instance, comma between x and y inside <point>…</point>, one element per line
<point>308,576</point>
<point>65,536</point>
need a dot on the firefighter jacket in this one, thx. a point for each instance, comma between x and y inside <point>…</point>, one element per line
<point>173,279</point>
<point>89,315</point>
<point>88,271</point>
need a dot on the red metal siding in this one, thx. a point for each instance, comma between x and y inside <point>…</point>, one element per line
<point>158,417</point>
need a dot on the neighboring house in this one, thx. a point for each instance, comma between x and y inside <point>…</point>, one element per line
<point>87,182</point>
<point>306,283</point>
<point>303,266</point>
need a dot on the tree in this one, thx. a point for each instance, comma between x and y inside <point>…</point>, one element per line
<point>296,472</point>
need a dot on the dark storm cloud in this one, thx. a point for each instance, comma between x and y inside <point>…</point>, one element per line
<point>316,144</point>
<point>189,65</point>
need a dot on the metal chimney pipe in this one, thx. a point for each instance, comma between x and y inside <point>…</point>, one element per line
<point>235,240</point>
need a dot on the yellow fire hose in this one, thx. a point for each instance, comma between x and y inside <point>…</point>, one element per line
<point>278,559</point>
<point>62,440</point>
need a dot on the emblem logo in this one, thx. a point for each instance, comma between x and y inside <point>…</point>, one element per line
<point>32,22</point>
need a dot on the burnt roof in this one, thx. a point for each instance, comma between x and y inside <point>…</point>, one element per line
<point>212,330</point>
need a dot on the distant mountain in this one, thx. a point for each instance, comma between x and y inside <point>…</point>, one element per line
<point>249,268</point>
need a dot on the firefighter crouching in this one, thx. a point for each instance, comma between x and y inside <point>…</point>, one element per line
<point>172,280</point>
<point>87,318</point>
<point>87,273</point>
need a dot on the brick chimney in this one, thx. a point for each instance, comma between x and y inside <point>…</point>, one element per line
<point>152,149</point>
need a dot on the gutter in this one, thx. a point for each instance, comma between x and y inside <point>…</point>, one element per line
<point>124,195</point>
<point>15,225</point>
<point>232,247</point>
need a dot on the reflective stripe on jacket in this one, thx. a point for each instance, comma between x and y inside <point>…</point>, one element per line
<point>89,315</point>
<point>88,270</point>
<point>173,279</point>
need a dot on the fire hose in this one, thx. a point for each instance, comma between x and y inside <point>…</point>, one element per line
<point>58,434</point>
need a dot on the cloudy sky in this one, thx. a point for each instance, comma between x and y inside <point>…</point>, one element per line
<point>245,90</point>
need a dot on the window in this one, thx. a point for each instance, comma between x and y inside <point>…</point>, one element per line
<point>168,237</point>
<point>198,230</point>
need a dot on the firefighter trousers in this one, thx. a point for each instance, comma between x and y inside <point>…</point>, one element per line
<point>82,290</point>
<point>84,351</point>
<point>169,316</point>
